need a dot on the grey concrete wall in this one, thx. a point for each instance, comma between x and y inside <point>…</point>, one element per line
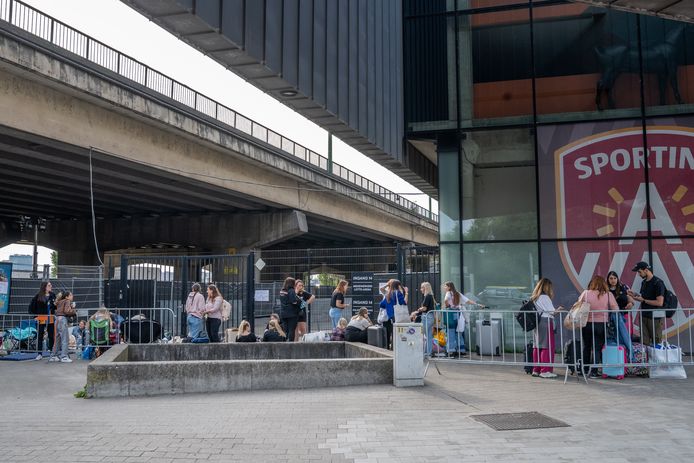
<point>111,376</point>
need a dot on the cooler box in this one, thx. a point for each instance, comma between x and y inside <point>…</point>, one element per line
<point>488,337</point>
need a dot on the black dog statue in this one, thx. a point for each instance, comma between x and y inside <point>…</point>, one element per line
<point>659,58</point>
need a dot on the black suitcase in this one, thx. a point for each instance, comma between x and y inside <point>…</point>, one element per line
<point>376,335</point>
<point>528,359</point>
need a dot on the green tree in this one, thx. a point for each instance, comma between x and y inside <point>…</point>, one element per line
<point>54,264</point>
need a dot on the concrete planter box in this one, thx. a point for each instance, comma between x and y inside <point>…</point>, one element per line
<point>151,369</point>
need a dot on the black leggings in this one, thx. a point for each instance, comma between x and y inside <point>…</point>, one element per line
<point>289,325</point>
<point>356,335</point>
<point>212,328</point>
<point>51,337</point>
<point>593,335</point>
<point>388,325</point>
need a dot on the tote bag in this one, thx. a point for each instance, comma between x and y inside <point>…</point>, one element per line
<point>401,311</point>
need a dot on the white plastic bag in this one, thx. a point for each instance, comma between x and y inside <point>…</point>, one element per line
<point>382,316</point>
<point>663,354</point>
<point>316,336</point>
<point>460,328</point>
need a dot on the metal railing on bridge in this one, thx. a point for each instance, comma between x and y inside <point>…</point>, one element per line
<point>60,34</point>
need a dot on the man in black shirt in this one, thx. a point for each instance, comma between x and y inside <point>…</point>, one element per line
<point>651,298</point>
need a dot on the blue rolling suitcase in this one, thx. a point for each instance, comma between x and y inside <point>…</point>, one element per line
<point>613,354</point>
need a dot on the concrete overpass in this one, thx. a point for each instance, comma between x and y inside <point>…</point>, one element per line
<point>164,175</point>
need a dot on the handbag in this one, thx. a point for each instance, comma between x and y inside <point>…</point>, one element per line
<point>401,311</point>
<point>578,315</point>
<point>382,316</point>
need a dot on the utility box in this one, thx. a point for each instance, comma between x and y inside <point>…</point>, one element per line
<point>408,349</point>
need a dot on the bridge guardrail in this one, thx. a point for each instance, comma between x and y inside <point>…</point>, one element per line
<point>60,34</point>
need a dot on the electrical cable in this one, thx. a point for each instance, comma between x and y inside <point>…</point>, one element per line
<point>91,200</point>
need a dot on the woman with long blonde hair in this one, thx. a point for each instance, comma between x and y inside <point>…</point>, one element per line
<point>337,302</point>
<point>245,333</point>
<point>543,337</point>
<point>274,332</point>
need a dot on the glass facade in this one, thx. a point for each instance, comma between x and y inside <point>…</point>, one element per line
<point>565,135</point>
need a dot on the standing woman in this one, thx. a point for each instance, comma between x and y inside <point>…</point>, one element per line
<point>306,299</point>
<point>397,294</point>
<point>337,302</point>
<point>64,308</point>
<point>43,305</point>
<point>213,310</point>
<point>455,343</point>
<point>426,312</point>
<point>619,291</point>
<point>543,337</point>
<point>600,298</point>
<point>195,307</point>
<point>290,304</point>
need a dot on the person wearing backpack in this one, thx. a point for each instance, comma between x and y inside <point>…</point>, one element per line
<point>195,306</point>
<point>213,310</point>
<point>543,336</point>
<point>652,298</point>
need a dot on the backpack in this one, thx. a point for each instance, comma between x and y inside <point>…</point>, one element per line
<point>226,310</point>
<point>527,316</point>
<point>669,303</point>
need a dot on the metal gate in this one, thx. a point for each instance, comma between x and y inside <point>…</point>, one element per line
<point>165,281</point>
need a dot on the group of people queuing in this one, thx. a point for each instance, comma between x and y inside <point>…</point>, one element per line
<point>454,303</point>
<point>603,295</point>
<point>54,314</point>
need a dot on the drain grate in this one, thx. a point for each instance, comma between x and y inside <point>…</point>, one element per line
<point>516,421</point>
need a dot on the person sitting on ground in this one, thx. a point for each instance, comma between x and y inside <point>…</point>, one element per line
<point>339,331</point>
<point>245,334</point>
<point>273,316</point>
<point>274,333</point>
<point>356,329</point>
<point>81,334</point>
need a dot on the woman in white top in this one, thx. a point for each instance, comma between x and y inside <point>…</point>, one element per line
<point>455,342</point>
<point>356,329</point>
<point>543,338</point>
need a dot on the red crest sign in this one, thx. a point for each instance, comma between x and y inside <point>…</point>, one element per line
<point>602,193</point>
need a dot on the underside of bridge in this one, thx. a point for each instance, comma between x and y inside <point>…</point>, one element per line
<point>679,10</point>
<point>150,208</point>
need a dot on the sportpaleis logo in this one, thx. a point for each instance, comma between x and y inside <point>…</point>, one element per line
<point>601,192</point>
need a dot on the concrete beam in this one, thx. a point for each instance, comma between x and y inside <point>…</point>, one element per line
<point>207,232</point>
<point>58,100</point>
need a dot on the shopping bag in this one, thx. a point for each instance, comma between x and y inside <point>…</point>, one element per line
<point>382,316</point>
<point>665,354</point>
<point>402,313</point>
<point>461,323</point>
<point>317,336</point>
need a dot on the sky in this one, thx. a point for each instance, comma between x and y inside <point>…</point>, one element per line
<point>125,30</point>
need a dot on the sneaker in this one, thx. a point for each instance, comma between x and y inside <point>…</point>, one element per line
<point>536,374</point>
<point>38,357</point>
<point>68,360</point>
<point>547,374</point>
<point>53,359</point>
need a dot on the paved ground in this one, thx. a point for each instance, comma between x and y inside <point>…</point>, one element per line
<point>635,420</point>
